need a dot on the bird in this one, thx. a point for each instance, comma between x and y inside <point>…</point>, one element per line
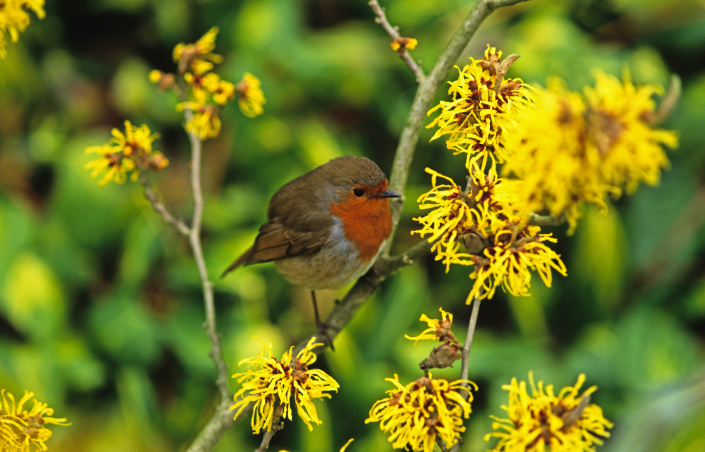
<point>325,228</point>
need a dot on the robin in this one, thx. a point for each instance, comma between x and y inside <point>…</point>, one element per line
<point>326,227</point>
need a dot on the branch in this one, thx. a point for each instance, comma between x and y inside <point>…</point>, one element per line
<point>344,311</point>
<point>471,334</point>
<point>161,208</point>
<point>394,34</point>
<point>267,438</point>
<point>195,241</point>
<point>466,348</point>
<point>222,421</point>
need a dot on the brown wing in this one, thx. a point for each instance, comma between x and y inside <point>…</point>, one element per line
<point>298,222</point>
<point>276,241</point>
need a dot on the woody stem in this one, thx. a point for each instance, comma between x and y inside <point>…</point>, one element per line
<point>393,33</point>
<point>268,435</point>
<point>195,241</point>
<point>465,353</point>
<point>468,339</point>
<point>160,208</point>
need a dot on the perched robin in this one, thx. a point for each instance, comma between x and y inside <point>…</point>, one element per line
<point>325,228</point>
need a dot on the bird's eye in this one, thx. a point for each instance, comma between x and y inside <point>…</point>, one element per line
<point>358,192</point>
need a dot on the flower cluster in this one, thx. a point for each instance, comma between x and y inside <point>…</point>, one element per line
<point>503,248</point>
<point>445,354</point>
<point>428,408</point>
<point>543,421</point>
<point>574,148</point>
<point>14,18</point>
<point>22,429</point>
<point>206,90</point>
<point>272,384</point>
<point>126,154</point>
<point>481,102</point>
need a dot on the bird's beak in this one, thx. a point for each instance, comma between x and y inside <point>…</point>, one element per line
<point>389,194</point>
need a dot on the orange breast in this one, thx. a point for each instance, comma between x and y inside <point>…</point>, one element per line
<point>366,221</point>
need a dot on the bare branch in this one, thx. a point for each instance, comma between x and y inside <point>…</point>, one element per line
<point>195,241</point>
<point>161,208</point>
<point>472,324</point>
<point>393,32</point>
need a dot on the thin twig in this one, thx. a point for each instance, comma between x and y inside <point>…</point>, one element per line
<point>161,208</point>
<point>394,34</point>
<point>222,419</point>
<point>265,440</point>
<point>195,241</point>
<point>465,353</point>
<point>441,445</point>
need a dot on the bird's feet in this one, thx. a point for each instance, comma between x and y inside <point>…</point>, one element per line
<point>323,333</point>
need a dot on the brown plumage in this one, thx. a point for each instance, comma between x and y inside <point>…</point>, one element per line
<point>325,227</point>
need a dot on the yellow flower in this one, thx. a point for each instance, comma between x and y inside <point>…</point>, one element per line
<point>543,421</point>
<point>24,430</point>
<point>416,414</point>
<point>250,96</point>
<point>272,385</point>
<point>474,118</point>
<point>438,330</point>
<point>114,166</point>
<point>204,122</point>
<point>514,252</point>
<point>401,44</point>
<point>631,149</point>
<point>126,153</point>
<point>574,148</point>
<point>458,218</point>
<point>199,57</point>
<point>14,18</point>
<point>497,242</point>
<point>221,90</point>
<point>450,218</point>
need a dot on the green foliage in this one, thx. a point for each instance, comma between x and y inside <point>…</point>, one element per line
<point>100,302</point>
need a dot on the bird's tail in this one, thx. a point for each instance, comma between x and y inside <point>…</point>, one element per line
<point>240,260</point>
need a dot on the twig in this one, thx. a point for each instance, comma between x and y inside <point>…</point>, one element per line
<point>468,339</point>
<point>195,241</point>
<point>222,419</point>
<point>161,208</point>
<point>465,353</point>
<point>394,34</point>
<point>441,445</point>
<point>221,422</point>
<point>267,438</point>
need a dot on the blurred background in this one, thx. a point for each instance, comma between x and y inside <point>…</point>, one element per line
<point>100,302</point>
